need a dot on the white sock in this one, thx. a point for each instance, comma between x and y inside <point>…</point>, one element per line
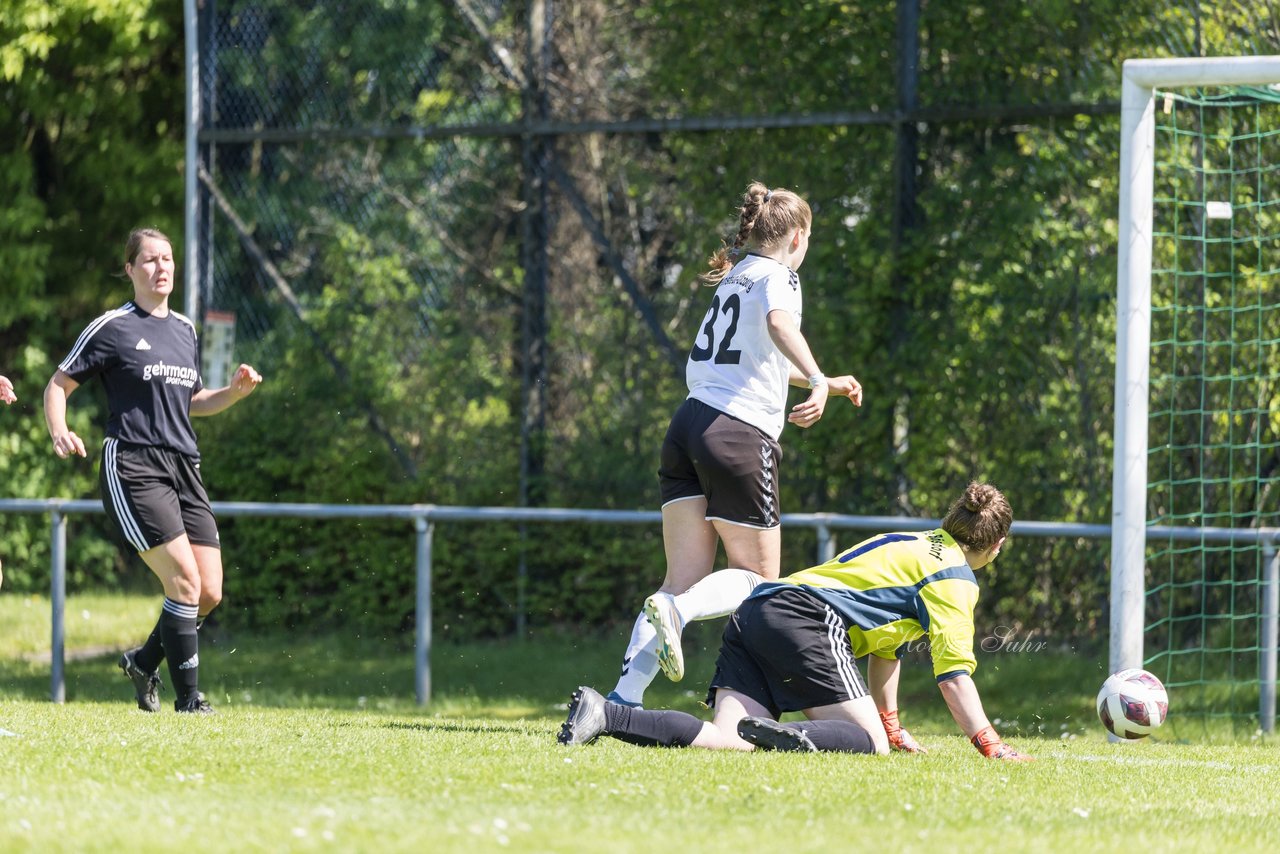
<point>640,664</point>
<point>718,594</point>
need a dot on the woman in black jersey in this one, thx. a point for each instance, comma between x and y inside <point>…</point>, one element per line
<point>147,358</point>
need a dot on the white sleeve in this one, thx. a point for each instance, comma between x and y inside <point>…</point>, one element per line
<point>782,291</point>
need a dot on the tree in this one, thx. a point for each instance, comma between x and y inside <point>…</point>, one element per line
<point>91,105</point>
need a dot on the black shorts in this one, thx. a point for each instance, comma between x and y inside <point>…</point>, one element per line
<point>154,495</point>
<point>787,651</point>
<point>727,461</point>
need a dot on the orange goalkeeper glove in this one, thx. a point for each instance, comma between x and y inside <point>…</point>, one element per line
<point>899,738</point>
<point>990,746</point>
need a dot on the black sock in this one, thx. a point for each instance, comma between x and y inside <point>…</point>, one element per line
<point>181,647</point>
<point>841,736</point>
<point>650,728</point>
<point>151,653</point>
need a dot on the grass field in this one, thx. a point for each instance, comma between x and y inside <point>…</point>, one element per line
<point>319,746</point>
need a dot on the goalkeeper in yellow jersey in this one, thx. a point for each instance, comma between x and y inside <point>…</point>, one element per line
<point>792,645</point>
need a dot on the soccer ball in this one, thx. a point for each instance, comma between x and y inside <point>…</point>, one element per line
<point>1132,703</point>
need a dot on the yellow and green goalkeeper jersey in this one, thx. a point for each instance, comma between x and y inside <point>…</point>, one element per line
<point>894,588</point>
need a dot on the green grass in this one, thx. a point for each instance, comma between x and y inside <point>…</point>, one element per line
<point>93,620</point>
<point>318,745</point>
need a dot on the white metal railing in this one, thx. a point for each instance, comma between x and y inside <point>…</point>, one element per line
<point>424,517</point>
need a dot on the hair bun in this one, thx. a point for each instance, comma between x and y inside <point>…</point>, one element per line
<point>980,517</point>
<point>977,496</point>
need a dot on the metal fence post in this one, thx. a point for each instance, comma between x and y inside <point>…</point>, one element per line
<point>191,204</point>
<point>58,600</point>
<point>1268,642</point>
<point>826,544</point>
<point>422,639</point>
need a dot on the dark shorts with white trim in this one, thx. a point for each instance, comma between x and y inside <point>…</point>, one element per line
<point>731,463</point>
<point>154,495</point>
<point>787,651</point>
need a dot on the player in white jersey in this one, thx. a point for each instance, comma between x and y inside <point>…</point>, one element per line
<point>147,359</point>
<point>719,465</point>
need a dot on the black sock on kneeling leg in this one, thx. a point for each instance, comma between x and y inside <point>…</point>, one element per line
<point>839,736</point>
<point>650,728</point>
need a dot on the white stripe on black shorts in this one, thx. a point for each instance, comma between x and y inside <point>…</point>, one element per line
<point>789,651</point>
<point>155,495</point>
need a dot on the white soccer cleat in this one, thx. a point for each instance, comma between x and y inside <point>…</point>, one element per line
<point>660,611</point>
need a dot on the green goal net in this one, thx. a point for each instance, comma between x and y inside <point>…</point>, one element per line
<point>1214,404</point>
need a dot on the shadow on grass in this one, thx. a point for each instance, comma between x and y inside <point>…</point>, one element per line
<point>508,678</point>
<point>433,726</point>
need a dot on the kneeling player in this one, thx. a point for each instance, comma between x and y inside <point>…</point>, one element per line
<point>791,646</point>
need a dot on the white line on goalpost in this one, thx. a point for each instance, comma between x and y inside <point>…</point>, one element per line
<point>1133,343</point>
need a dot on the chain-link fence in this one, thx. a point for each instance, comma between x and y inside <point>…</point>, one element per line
<point>469,140</point>
<point>474,221</point>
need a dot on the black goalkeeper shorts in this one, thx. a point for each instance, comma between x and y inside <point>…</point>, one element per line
<point>788,651</point>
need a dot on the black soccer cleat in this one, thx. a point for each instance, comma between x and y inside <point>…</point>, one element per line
<point>768,734</point>
<point>195,705</point>
<point>586,721</point>
<point>146,686</point>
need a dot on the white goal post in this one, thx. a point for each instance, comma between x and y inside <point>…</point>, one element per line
<point>1133,322</point>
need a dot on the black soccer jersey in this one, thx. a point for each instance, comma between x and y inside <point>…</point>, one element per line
<point>150,368</point>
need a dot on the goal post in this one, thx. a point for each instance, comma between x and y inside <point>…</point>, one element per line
<point>1141,79</point>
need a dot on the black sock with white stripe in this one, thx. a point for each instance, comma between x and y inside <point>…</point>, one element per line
<point>181,647</point>
<point>151,653</point>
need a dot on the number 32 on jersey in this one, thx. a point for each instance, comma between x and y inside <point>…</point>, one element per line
<point>720,325</point>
